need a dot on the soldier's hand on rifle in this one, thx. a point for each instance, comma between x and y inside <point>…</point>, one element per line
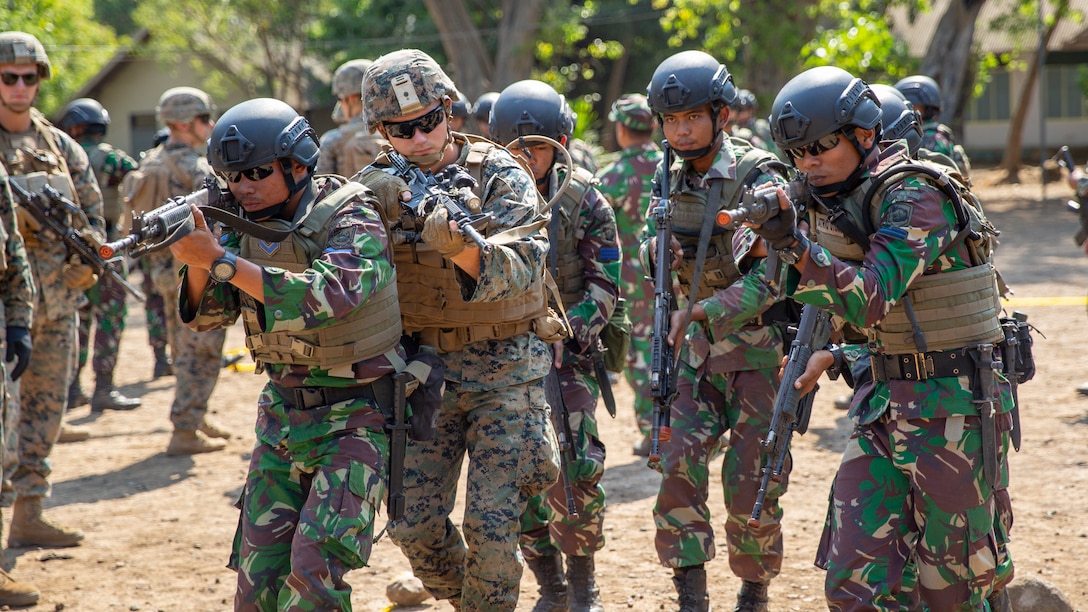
<point>818,363</point>
<point>78,276</point>
<point>679,323</point>
<point>781,230</point>
<point>674,246</point>
<point>557,353</point>
<point>199,248</point>
<point>28,225</point>
<point>440,233</point>
<point>19,350</point>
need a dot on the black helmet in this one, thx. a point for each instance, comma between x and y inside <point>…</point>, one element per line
<point>690,79</point>
<point>259,131</point>
<point>84,111</point>
<point>459,107</point>
<point>745,100</point>
<point>821,101</point>
<point>922,91</point>
<point>481,110</point>
<point>530,107</point>
<point>898,117</point>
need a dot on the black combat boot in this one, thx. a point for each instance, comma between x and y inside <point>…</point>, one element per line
<point>107,397</point>
<point>690,585</point>
<point>585,596</point>
<point>999,601</point>
<point>548,570</point>
<point>163,365</point>
<point>752,597</point>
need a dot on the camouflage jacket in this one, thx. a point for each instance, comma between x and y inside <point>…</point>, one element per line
<point>354,265</point>
<point>917,222</point>
<point>330,144</point>
<point>732,339</point>
<point>48,257</point>
<point>597,245</point>
<point>192,168</point>
<point>937,137</point>
<point>110,165</point>
<point>348,148</point>
<point>627,183</point>
<point>17,289</point>
<point>583,155</point>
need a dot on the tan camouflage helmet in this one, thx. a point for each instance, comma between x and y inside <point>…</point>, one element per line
<point>23,48</point>
<point>633,110</point>
<point>348,78</point>
<point>182,104</point>
<point>403,82</point>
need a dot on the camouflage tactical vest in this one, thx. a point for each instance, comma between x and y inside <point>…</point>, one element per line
<point>564,234</point>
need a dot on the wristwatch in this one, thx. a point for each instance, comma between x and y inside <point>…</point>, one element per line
<point>793,254</point>
<point>223,269</point>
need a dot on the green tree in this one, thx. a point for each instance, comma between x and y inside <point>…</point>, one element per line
<point>78,46</point>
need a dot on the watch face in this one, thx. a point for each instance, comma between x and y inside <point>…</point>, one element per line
<point>223,270</point>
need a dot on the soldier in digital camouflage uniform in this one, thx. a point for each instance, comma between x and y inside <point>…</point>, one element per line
<point>584,260</point>
<point>924,93</point>
<point>197,358</point>
<point>744,124</point>
<point>317,474</point>
<point>484,312</point>
<point>352,146</point>
<point>923,418</point>
<point>728,373</point>
<point>626,183</point>
<point>17,297</point>
<point>86,121</point>
<point>36,152</point>
<point>154,304</point>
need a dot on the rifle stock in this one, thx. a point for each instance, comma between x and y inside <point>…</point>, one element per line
<point>791,409</point>
<point>662,361</point>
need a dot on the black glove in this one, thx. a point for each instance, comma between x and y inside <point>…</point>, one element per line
<point>780,231</point>
<point>19,349</point>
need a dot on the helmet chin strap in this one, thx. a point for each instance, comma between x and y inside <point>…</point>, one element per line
<point>702,151</point>
<point>292,188</point>
<point>851,182</point>
<point>426,161</point>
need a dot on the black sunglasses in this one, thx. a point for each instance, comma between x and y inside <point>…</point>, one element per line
<point>815,148</point>
<point>253,174</point>
<point>30,79</point>
<point>426,124</point>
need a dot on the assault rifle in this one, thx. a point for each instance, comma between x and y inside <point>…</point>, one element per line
<point>553,390</point>
<point>1065,159</point>
<point>791,409</point>
<point>427,190</point>
<point>159,228</point>
<point>51,209</point>
<point>398,442</point>
<point>663,362</point>
<point>756,206</point>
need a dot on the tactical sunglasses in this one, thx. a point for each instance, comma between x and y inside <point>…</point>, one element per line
<point>815,148</point>
<point>426,124</point>
<point>258,173</point>
<point>30,79</point>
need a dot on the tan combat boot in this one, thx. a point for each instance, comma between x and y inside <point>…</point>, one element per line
<point>14,593</point>
<point>70,433</point>
<point>192,443</point>
<point>29,528</point>
<point>213,430</point>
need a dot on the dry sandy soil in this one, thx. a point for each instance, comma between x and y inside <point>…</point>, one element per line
<point>158,528</point>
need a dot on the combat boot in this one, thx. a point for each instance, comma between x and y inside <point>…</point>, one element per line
<point>999,601</point>
<point>213,430</point>
<point>584,594</point>
<point>69,433</point>
<point>548,570</point>
<point>163,365</point>
<point>15,593</point>
<point>690,585</point>
<point>752,596</point>
<point>192,443</point>
<point>30,528</point>
<point>107,397</point>
<point>76,395</point>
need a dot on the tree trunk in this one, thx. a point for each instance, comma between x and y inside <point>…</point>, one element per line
<point>471,68</point>
<point>517,35</point>
<point>949,55</point>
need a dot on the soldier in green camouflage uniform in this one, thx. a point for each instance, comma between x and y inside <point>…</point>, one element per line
<point>17,297</point>
<point>350,147</point>
<point>317,473</point>
<point>744,124</point>
<point>728,372</point>
<point>584,260</point>
<point>484,312</point>
<point>197,358</point>
<point>626,183</point>
<point>915,483</point>
<point>924,93</point>
<point>35,151</point>
<point>86,121</point>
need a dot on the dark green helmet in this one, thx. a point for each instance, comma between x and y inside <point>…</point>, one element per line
<point>688,80</point>
<point>84,111</point>
<point>633,111</point>
<point>898,119</point>
<point>23,48</point>
<point>922,91</point>
<point>821,101</point>
<point>530,107</point>
<point>258,132</point>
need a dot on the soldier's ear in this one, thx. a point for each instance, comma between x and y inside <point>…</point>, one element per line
<point>866,138</point>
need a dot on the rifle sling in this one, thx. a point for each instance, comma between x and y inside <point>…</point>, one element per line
<point>245,226</point>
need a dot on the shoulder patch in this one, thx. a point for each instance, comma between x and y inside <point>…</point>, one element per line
<point>898,214</point>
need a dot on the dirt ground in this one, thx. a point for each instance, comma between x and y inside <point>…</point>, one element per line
<point>159,528</point>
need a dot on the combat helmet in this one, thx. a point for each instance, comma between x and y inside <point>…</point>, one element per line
<point>746,100</point>
<point>348,78</point>
<point>898,119</point>
<point>403,82</point>
<point>821,101</point>
<point>922,91</point>
<point>690,79</point>
<point>530,107</point>
<point>481,110</point>
<point>183,104</point>
<point>259,131</point>
<point>632,110</point>
<point>23,48</point>
<point>85,111</point>
<point>460,107</point>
